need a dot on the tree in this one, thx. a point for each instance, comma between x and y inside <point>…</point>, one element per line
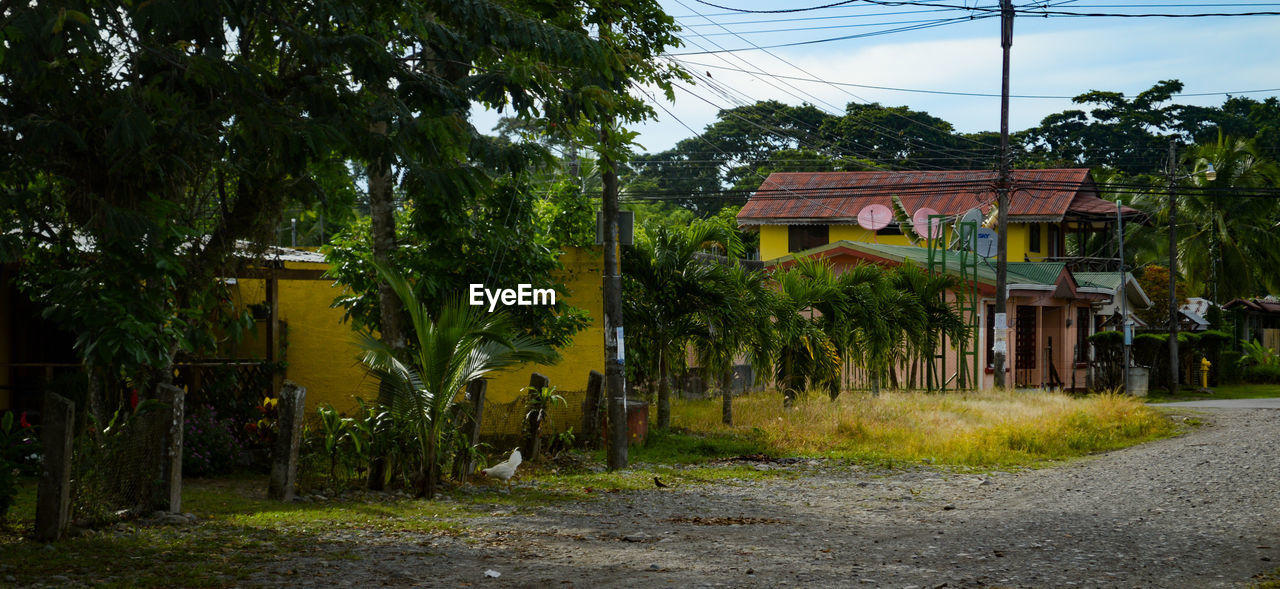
<point>738,321</point>
<point>807,355</point>
<point>452,346</point>
<point>1229,238</point>
<point>1126,134</point>
<point>148,142</point>
<point>667,285</point>
<point>1154,281</point>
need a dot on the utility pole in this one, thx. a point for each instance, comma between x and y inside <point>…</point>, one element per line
<point>614,379</point>
<point>1123,293</point>
<point>1173,269</point>
<point>1002,200</point>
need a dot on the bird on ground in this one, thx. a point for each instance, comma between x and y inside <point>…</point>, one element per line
<point>659,484</point>
<point>505,470</point>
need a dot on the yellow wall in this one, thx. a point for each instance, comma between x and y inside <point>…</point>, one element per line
<point>773,240</point>
<point>582,275</point>
<point>1020,242</point>
<point>322,355</point>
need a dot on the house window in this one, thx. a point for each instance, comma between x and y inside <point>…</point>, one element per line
<point>1082,334</point>
<point>1054,236</point>
<point>891,229</point>
<point>1033,238</point>
<point>803,237</point>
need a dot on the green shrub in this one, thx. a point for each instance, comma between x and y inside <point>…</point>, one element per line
<point>1228,365</point>
<point>1263,374</point>
<point>210,445</point>
<point>17,447</point>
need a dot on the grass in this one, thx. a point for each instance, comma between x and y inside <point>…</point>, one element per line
<point>1233,391</point>
<point>985,429</point>
<point>240,531</point>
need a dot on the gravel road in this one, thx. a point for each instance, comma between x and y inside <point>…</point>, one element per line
<point>1200,510</point>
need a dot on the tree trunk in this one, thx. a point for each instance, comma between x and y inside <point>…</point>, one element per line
<point>726,391</point>
<point>664,396</point>
<point>427,487</point>
<point>382,217</point>
<point>875,383</point>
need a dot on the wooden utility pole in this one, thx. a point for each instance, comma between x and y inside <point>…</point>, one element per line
<point>1002,200</point>
<point>1173,268</point>
<point>614,378</point>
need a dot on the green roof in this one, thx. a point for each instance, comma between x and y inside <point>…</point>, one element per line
<point>1042,273</point>
<point>1107,280</point>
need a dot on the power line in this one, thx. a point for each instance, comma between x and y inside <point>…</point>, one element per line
<point>942,92</point>
<point>993,10</point>
<point>806,72</point>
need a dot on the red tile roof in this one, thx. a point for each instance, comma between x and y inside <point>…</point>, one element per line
<point>836,197</point>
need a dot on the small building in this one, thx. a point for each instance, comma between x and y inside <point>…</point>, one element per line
<point>1257,319</point>
<point>1051,309</point>
<point>299,335</point>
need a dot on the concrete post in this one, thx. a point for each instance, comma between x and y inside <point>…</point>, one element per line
<point>533,429</point>
<point>53,498</point>
<point>592,410</point>
<point>471,428</point>
<point>169,496</point>
<point>284,455</point>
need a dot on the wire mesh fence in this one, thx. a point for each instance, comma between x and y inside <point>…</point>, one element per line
<point>508,419</point>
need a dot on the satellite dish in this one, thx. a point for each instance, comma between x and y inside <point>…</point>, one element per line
<point>970,216</point>
<point>988,242</point>
<point>960,237</point>
<point>924,226</point>
<point>875,217</point>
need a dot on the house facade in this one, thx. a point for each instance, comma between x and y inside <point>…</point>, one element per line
<point>1051,309</point>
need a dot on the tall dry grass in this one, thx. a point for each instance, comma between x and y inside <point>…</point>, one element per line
<point>990,428</point>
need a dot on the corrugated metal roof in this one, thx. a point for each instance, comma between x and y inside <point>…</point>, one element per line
<point>1037,195</point>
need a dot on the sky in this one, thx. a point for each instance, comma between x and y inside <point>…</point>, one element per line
<point>1059,56</point>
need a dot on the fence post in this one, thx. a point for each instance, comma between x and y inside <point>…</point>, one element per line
<point>533,441</point>
<point>53,496</point>
<point>284,454</point>
<point>471,428</point>
<point>591,415</point>
<point>169,496</point>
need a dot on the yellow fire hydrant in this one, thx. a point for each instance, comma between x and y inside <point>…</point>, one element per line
<point>1204,372</point>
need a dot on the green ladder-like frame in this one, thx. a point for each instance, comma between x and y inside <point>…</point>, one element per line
<point>967,372</point>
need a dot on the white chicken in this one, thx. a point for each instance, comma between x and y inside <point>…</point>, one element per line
<point>505,470</point>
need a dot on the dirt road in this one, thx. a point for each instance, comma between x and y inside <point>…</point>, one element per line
<point>1200,510</point>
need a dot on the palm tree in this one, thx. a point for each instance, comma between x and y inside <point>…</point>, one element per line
<point>806,352</point>
<point>1219,235</point>
<point>448,349</point>
<point>740,323</point>
<point>929,321</point>
<point>879,313</point>
<point>1224,236</point>
<point>667,284</point>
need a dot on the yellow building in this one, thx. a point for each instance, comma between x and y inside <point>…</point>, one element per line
<point>320,349</point>
<point>796,211</point>
<point>295,321</point>
<point>851,218</point>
